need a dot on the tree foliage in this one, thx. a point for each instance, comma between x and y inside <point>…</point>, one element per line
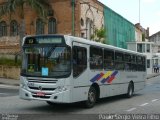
<point>99,35</point>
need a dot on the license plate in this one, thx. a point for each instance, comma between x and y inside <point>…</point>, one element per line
<point>40,94</point>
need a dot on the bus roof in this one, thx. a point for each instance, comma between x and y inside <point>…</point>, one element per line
<point>98,44</point>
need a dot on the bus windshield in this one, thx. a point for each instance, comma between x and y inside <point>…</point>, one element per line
<point>46,61</point>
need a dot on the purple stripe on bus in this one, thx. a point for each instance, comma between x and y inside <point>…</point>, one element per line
<point>104,80</point>
<point>114,73</point>
<point>95,78</point>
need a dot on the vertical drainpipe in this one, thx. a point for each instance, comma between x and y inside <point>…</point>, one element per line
<point>73,17</point>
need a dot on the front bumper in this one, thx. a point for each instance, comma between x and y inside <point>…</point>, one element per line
<point>55,97</point>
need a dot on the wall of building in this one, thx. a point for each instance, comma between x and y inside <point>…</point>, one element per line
<point>10,72</point>
<point>138,35</point>
<point>85,11</point>
<point>156,39</point>
<point>92,17</point>
<point>62,12</point>
<point>118,29</point>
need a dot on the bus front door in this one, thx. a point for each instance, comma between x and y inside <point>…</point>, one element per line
<point>80,71</point>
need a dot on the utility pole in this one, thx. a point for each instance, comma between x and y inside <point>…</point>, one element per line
<point>139,11</point>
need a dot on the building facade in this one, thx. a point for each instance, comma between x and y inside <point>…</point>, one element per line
<point>118,29</point>
<point>141,34</point>
<point>72,17</point>
<point>156,39</point>
<point>91,17</point>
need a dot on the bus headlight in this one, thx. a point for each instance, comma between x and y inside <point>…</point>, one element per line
<point>23,84</point>
<point>60,89</point>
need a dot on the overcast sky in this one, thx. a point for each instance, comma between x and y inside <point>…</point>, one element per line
<point>129,9</point>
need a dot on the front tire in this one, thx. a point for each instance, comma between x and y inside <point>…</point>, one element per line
<point>92,97</point>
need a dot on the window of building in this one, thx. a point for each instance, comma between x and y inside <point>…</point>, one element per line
<point>148,48</point>
<point>89,28</point>
<point>14,28</point>
<point>39,26</point>
<point>108,59</point>
<point>82,34</point>
<point>79,60</point>
<point>96,58</point>
<point>52,26</point>
<point>3,28</point>
<point>82,22</point>
<point>141,48</point>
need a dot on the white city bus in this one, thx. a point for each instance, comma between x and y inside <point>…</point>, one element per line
<point>67,69</point>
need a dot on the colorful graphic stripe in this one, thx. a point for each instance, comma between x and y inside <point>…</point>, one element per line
<point>107,77</point>
<point>112,77</point>
<point>97,77</point>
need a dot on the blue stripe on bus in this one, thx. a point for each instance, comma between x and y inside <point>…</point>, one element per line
<point>114,73</point>
<point>104,80</point>
<point>95,78</point>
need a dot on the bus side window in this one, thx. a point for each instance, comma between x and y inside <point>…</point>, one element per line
<point>127,59</point>
<point>96,58</point>
<point>108,59</point>
<point>119,61</point>
<point>79,61</point>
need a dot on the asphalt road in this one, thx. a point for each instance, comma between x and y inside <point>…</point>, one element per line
<point>146,101</point>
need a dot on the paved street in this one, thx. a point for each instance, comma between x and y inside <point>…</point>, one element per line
<point>144,101</point>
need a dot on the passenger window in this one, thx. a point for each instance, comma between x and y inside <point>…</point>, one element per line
<point>141,63</point>
<point>108,59</point>
<point>79,60</point>
<point>144,63</point>
<point>96,58</point>
<point>128,65</point>
<point>119,61</point>
<point>133,63</point>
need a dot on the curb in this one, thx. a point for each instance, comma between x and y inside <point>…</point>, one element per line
<point>155,75</point>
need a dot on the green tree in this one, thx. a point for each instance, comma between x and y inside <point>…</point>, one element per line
<point>99,35</point>
<point>10,7</point>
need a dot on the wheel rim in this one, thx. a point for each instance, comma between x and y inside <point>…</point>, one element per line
<point>130,91</point>
<point>91,97</point>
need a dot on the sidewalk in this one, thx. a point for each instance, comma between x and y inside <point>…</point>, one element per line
<point>9,81</point>
<point>152,75</point>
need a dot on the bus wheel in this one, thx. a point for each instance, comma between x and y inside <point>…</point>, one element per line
<point>130,90</point>
<point>92,97</point>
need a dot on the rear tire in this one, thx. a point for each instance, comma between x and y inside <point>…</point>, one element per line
<point>92,97</point>
<point>130,90</point>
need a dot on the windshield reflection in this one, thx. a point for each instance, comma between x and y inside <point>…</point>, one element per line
<point>46,61</point>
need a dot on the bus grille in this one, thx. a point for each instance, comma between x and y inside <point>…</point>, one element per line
<point>45,89</point>
<point>41,80</point>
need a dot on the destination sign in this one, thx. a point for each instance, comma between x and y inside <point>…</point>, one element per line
<point>44,40</point>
